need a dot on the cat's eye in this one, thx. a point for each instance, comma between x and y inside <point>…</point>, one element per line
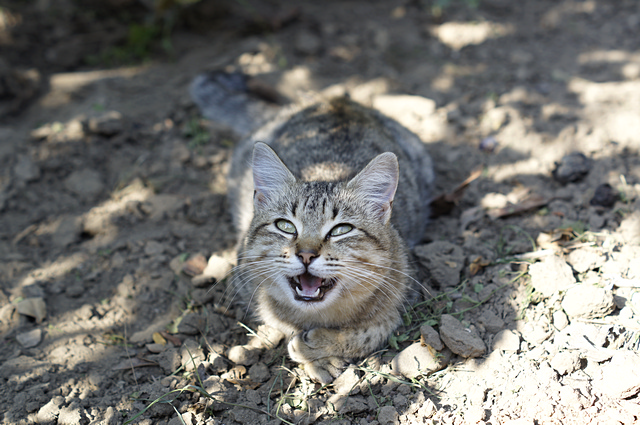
<point>341,229</point>
<point>286,226</point>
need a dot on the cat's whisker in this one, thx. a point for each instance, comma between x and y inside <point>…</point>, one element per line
<point>278,272</point>
<point>392,269</point>
<point>378,278</point>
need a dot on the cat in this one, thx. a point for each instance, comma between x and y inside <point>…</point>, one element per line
<point>327,200</point>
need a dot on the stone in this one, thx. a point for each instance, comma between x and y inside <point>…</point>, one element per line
<point>67,231</point>
<point>307,43</point>
<point>571,168</point>
<point>244,355</point>
<point>460,340</point>
<point>191,355</point>
<point>605,196</point>
<point>30,339</point>
<point>107,124</point>
<point>259,372</point>
<point>491,322</point>
<point>418,359</point>
<point>347,382</point>
<point>621,376</point>
<point>560,320</point>
<point>33,307</point>
<point>506,340</point>
<point>443,260</point>
<point>388,415</point>
<point>566,362</point>
<point>25,169</point>
<point>87,184</point>
<point>430,337</point>
<point>551,275</point>
<point>49,412</point>
<point>584,259</point>
<point>588,302</point>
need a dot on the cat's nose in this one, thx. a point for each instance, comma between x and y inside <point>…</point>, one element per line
<point>307,256</point>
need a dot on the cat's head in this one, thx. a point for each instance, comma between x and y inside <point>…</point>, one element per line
<point>316,244</point>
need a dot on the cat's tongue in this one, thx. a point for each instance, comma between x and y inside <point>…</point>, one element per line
<point>309,284</point>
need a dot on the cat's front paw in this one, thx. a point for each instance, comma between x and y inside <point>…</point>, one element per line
<point>312,345</point>
<point>325,370</point>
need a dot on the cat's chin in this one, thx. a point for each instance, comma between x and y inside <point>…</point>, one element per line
<point>300,294</point>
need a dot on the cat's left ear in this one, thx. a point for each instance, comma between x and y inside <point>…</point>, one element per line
<point>376,184</point>
<point>270,176</point>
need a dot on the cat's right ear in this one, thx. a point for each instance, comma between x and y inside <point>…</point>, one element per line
<point>270,175</point>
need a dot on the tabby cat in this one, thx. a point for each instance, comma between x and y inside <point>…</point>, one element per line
<point>327,199</point>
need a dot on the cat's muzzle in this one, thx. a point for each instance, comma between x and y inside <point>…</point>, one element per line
<point>310,288</point>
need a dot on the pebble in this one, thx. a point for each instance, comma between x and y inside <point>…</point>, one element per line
<point>587,301</point>
<point>571,168</point>
<point>506,340</point>
<point>460,340</point>
<point>259,372</point>
<point>443,260</point>
<point>620,377</point>
<point>566,362</point>
<point>347,382</point>
<point>430,337</point>
<point>560,320</point>
<point>108,124</point>
<point>307,43</point>
<point>388,415</point>
<point>416,360</point>
<point>244,355</point>
<point>86,183</point>
<point>30,339</point>
<point>585,259</point>
<point>68,231</point>
<point>604,196</point>
<point>25,169</point>
<point>491,322</point>
<point>33,307</point>
<point>551,275</point>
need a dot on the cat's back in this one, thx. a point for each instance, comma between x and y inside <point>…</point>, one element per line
<point>333,141</point>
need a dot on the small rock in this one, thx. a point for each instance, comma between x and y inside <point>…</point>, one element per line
<point>604,196</point>
<point>506,340</point>
<point>30,339</point>
<point>307,43</point>
<point>244,355</point>
<point>491,321</point>
<point>551,275</point>
<point>388,415</point>
<point>566,362</point>
<point>49,412</point>
<point>191,355</point>
<point>33,307</point>
<point>217,363</point>
<point>560,320</point>
<point>589,302</point>
<point>68,230</point>
<point>259,372</point>
<point>156,348</point>
<point>152,248</point>
<point>620,377</point>
<point>584,259</point>
<point>443,260</point>
<point>25,169</point>
<point>108,124</point>
<point>86,183</point>
<point>347,382</point>
<point>571,168</point>
<point>430,337</point>
<point>460,340</point>
<point>417,359</point>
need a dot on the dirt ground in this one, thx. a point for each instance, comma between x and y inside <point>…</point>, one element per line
<point>112,198</point>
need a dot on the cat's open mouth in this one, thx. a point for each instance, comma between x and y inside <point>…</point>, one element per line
<point>307,287</point>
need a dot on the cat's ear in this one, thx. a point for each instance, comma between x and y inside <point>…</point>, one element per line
<point>376,184</point>
<point>270,175</point>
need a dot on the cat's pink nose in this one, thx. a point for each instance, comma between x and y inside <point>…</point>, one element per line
<point>307,256</point>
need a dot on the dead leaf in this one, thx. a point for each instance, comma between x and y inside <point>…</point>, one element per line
<point>134,362</point>
<point>532,202</point>
<point>477,265</point>
<point>158,339</point>
<point>443,204</point>
<point>171,338</point>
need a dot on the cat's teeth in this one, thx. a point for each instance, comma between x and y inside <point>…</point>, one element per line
<point>299,291</point>
<point>315,294</point>
<point>296,279</point>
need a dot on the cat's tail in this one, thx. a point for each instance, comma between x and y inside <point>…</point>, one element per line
<point>230,98</point>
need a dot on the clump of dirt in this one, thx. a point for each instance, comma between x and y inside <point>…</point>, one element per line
<point>115,227</point>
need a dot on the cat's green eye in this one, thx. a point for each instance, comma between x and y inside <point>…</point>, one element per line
<point>286,226</point>
<point>341,229</point>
